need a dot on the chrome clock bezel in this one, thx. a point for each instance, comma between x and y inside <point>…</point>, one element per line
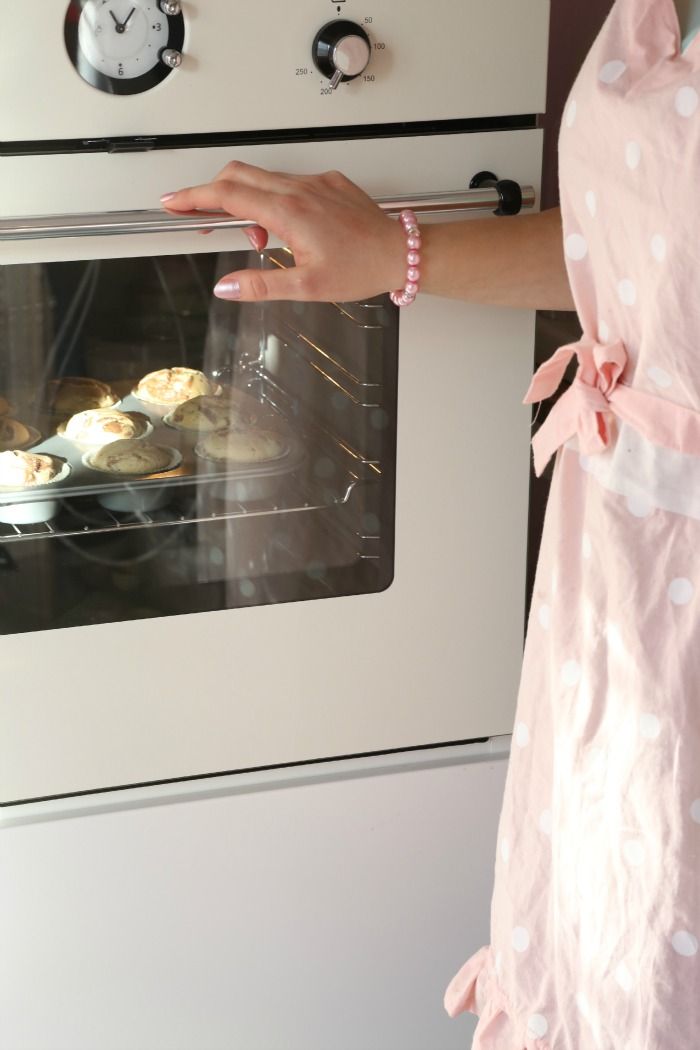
<point>114,85</point>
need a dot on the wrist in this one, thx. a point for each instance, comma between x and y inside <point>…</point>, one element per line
<point>404,295</point>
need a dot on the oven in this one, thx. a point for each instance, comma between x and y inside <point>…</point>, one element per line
<point>351,579</point>
<point>258,690</point>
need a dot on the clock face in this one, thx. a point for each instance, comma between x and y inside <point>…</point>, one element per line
<point>116,45</point>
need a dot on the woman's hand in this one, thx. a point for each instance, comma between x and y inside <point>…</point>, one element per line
<point>344,246</point>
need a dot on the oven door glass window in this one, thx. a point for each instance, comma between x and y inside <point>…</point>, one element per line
<point>164,452</point>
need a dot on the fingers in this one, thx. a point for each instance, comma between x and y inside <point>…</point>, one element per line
<point>238,171</point>
<point>262,285</point>
<point>257,236</point>
<point>245,203</point>
<point>242,188</point>
<point>312,215</point>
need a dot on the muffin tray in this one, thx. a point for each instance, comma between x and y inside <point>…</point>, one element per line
<point>144,492</point>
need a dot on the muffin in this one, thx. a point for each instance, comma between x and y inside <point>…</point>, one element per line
<point>19,469</point>
<point>15,435</point>
<point>78,393</point>
<point>172,386</point>
<point>132,456</point>
<point>242,445</point>
<point>206,413</point>
<point>101,426</point>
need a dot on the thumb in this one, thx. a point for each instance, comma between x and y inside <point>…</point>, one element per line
<point>258,285</point>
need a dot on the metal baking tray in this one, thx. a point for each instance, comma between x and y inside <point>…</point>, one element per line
<point>241,483</point>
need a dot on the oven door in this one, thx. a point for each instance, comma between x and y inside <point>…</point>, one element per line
<point>353,584</point>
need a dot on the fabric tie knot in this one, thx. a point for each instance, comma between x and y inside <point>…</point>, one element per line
<point>587,407</point>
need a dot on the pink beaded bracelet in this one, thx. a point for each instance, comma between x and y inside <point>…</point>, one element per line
<point>406,295</point>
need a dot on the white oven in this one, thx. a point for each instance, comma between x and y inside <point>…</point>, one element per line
<point>350,599</point>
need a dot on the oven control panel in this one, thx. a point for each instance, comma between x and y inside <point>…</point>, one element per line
<point>120,68</point>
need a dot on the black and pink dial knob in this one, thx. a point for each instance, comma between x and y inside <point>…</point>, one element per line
<point>341,51</point>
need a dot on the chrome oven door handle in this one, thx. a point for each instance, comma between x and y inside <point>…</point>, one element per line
<point>41,227</point>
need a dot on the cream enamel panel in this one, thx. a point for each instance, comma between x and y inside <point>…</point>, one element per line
<point>241,62</point>
<point>434,658</point>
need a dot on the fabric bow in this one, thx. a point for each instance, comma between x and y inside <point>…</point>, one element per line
<point>587,407</point>
<point>595,396</point>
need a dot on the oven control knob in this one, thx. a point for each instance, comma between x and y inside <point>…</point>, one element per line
<point>341,51</point>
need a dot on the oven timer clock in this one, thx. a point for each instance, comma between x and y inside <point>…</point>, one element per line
<point>124,47</point>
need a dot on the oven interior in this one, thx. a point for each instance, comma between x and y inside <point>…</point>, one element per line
<point>232,518</point>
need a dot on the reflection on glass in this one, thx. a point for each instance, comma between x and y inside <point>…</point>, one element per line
<point>163,451</point>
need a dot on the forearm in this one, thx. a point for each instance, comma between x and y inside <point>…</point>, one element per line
<point>513,261</point>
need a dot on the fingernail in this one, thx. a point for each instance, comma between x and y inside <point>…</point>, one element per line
<point>228,289</point>
<point>167,197</point>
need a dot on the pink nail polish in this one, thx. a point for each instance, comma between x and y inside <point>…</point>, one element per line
<point>167,197</point>
<point>227,289</point>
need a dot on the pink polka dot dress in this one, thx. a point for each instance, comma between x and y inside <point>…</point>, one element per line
<point>595,919</point>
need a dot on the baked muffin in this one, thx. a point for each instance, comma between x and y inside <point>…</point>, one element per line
<point>15,435</point>
<point>78,393</point>
<point>131,456</point>
<point>19,469</point>
<point>240,445</point>
<point>100,426</point>
<point>172,386</point>
<point>206,413</point>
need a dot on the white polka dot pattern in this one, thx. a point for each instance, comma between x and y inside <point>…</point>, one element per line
<point>612,71</point>
<point>658,247</point>
<point>685,943</point>
<point>576,247</point>
<point>649,726</point>
<point>583,1005</point>
<point>537,1026</point>
<point>686,101</point>
<point>633,155</point>
<point>571,673</point>
<point>680,591</point>
<point>520,939</point>
<point>659,377</point>
<point>627,291</point>
<point>639,505</point>
<point>522,735</point>
<point>624,978</point>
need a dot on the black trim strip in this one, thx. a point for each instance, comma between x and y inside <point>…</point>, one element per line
<point>250,769</point>
<point>141,143</point>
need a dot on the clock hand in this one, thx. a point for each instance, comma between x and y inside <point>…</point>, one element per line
<point>116,21</point>
<point>125,24</point>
